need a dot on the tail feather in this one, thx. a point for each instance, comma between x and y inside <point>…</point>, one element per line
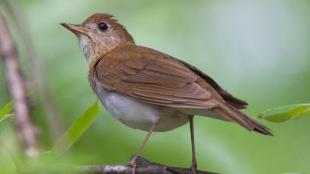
<point>232,114</point>
<point>257,127</point>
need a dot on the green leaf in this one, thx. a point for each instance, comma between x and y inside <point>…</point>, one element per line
<point>284,113</point>
<point>5,111</point>
<point>76,129</point>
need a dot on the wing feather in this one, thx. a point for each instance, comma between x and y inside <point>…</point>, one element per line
<point>159,81</point>
<point>153,77</point>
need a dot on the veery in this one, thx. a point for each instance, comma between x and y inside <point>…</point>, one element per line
<point>149,90</point>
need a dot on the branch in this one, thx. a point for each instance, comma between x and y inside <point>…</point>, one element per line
<point>47,99</point>
<point>17,88</point>
<point>143,167</point>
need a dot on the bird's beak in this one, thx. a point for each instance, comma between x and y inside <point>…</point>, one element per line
<point>76,29</point>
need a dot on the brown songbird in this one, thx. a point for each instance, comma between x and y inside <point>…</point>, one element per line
<point>150,90</point>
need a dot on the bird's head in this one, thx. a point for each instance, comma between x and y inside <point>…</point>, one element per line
<point>99,34</point>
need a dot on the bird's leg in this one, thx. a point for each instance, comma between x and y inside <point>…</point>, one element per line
<point>133,162</point>
<point>194,162</point>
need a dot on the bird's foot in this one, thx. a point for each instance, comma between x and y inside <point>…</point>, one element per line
<point>194,168</point>
<point>133,164</point>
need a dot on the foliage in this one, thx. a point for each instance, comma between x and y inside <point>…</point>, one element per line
<point>5,111</point>
<point>284,113</point>
<point>78,127</point>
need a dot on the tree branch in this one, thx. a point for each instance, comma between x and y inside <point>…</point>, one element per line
<point>47,99</point>
<point>17,88</point>
<point>143,167</point>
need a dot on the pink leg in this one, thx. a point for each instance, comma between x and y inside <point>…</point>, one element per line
<point>133,162</point>
<point>194,162</point>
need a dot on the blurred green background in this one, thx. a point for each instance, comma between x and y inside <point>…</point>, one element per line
<point>258,50</point>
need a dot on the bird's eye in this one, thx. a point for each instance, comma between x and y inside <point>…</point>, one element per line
<point>103,26</point>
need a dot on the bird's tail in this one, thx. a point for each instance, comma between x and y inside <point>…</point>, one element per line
<point>232,114</point>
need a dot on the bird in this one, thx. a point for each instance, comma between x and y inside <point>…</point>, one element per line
<point>149,90</point>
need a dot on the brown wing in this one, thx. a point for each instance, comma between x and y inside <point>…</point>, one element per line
<point>152,77</point>
<point>237,103</point>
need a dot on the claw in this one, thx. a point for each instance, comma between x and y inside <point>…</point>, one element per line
<point>194,169</point>
<point>133,164</point>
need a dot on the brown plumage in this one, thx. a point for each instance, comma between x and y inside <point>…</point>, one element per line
<point>154,77</point>
<point>147,89</point>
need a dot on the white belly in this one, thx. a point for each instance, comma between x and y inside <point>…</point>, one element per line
<point>140,115</point>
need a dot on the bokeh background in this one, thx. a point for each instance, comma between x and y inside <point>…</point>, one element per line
<point>258,50</point>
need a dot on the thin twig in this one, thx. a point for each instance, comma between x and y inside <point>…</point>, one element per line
<point>54,121</point>
<point>17,88</point>
<point>143,167</point>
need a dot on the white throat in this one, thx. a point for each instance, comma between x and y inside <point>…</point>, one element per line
<point>103,46</point>
<point>85,46</point>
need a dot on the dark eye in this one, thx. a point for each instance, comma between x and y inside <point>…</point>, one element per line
<point>103,26</point>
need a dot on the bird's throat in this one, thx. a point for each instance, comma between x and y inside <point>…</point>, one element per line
<point>94,49</point>
<point>91,52</point>
<point>85,45</point>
